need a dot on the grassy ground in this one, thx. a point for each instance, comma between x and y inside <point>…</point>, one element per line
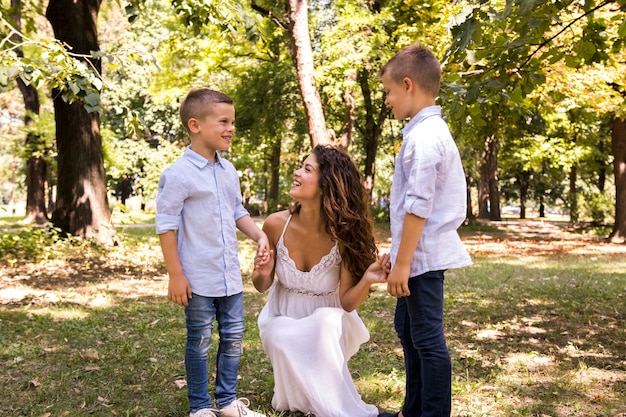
<point>535,327</point>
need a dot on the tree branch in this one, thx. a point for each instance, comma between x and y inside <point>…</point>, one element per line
<point>547,41</point>
<point>267,13</point>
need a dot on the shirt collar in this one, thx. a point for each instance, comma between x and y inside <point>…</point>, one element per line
<point>423,114</point>
<point>199,160</point>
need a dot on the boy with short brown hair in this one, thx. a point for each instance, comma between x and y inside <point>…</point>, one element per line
<point>199,208</point>
<point>427,205</point>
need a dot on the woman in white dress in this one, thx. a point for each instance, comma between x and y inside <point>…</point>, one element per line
<point>324,257</point>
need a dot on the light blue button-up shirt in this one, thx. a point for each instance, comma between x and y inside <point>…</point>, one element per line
<point>429,182</point>
<point>201,200</point>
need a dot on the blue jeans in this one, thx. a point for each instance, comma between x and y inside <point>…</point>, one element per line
<point>419,324</point>
<point>200,313</point>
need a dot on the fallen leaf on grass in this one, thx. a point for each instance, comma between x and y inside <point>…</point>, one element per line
<point>92,368</point>
<point>180,383</point>
<point>598,396</point>
<point>91,355</point>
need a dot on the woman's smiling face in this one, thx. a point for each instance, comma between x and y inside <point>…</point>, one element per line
<point>306,180</point>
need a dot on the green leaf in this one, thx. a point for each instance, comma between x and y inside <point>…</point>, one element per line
<point>4,77</point>
<point>93,99</point>
<point>526,6</point>
<point>516,95</point>
<point>621,30</point>
<point>586,50</point>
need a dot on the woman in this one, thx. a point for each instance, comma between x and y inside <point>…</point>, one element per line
<point>323,253</point>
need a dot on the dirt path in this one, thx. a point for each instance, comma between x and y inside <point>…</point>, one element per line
<point>514,237</point>
<point>537,237</point>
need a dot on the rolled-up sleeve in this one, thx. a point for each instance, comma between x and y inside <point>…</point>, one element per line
<point>169,202</point>
<point>201,200</point>
<point>421,175</point>
<point>429,182</point>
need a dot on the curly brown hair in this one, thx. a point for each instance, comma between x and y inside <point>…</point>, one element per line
<point>345,208</point>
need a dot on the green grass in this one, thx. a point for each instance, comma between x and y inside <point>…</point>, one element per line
<point>94,335</point>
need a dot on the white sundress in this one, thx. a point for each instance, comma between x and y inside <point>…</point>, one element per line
<point>309,338</point>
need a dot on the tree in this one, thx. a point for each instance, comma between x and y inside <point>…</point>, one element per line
<point>501,50</point>
<point>302,54</point>
<point>82,205</point>
<point>297,26</point>
<point>618,129</point>
<point>36,165</point>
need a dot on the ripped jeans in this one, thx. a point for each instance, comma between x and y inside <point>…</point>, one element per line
<point>228,311</point>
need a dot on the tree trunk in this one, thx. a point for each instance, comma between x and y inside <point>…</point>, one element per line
<point>372,130</point>
<point>302,54</point>
<point>489,179</point>
<point>272,196</point>
<point>601,166</point>
<point>82,207</point>
<point>36,166</point>
<point>468,197</point>
<point>618,148</point>
<point>524,181</point>
<point>483,193</point>
<point>349,117</point>
<point>36,173</point>
<point>573,195</point>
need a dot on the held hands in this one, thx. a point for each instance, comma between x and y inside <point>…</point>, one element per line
<point>263,268</point>
<point>263,247</point>
<point>263,252</point>
<point>378,271</point>
<point>264,262</point>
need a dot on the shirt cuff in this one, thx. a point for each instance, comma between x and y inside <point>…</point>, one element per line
<point>165,223</point>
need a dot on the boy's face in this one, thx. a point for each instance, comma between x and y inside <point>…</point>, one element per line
<point>398,97</point>
<point>214,131</point>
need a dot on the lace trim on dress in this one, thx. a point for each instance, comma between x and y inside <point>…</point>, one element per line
<point>308,293</point>
<point>305,279</point>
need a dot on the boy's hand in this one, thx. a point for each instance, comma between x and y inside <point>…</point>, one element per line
<point>264,263</point>
<point>179,290</point>
<point>263,251</point>
<point>398,281</point>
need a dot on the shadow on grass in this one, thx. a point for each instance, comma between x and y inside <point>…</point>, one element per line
<point>528,336</point>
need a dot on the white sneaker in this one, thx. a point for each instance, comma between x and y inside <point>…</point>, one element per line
<point>205,412</point>
<point>238,408</point>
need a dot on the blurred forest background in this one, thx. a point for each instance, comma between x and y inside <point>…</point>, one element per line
<point>534,92</point>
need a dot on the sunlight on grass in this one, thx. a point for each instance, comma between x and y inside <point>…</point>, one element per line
<point>60,314</point>
<point>534,329</point>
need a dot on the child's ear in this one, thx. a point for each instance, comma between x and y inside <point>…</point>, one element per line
<point>193,125</point>
<point>408,83</point>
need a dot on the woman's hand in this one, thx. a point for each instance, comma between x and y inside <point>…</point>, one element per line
<point>378,271</point>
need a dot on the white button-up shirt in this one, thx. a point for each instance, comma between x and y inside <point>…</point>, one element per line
<point>201,200</point>
<point>429,182</point>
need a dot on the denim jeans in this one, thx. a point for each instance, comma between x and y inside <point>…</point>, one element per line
<point>199,313</point>
<point>419,324</point>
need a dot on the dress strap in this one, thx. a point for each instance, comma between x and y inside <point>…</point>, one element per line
<point>285,227</point>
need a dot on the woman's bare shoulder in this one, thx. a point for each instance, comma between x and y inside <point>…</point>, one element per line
<point>275,222</point>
